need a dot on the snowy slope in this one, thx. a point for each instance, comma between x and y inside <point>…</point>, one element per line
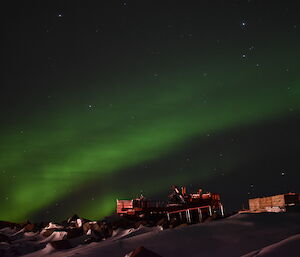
<point>263,234</point>
<point>287,247</point>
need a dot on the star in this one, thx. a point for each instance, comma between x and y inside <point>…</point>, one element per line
<point>60,14</point>
<point>243,24</point>
<point>91,107</point>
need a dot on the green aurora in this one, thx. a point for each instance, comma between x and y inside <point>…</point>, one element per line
<point>70,145</point>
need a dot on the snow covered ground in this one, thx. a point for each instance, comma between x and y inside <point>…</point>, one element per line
<point>245,234</point>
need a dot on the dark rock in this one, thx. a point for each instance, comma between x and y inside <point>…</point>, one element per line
<point>65,223</point>
<point>4,238</point>
<point>106,229</point>
<point>122,223</point>
<point>99,229</point>
<point>182,225</point>
<point>61,244</point>
<point>163,223</point>
<point>29,228</point>
<point>48,232</point>
<point>74,232</point>
<point>93,229</point>
<point>91,240</point>
<point>73,218</point>
<point>208,219</point>
<point>93,226</point>
<point>143,252</point>
<point>174,223</point>
<point>139,223</point>
<point>6,224</point>
<point>84,220</point>
<point>40,226</point>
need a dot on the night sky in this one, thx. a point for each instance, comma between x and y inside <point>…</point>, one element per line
<point>107,99</point>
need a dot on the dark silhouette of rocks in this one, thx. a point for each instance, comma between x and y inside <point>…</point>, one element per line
<point>47,232</point>
<point>143,252</point>
<point>6,224</point>
<point>61,244</point>
<point>93,226</point>
<point>30,227</point>
<point>4,238</point>
<point>123,223</point>
<point>74,232</point>
<point>73,218</point>
<point>91,240</point>
<point>163,223</point>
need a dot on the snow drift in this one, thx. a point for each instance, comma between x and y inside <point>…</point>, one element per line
<point>248,235</point>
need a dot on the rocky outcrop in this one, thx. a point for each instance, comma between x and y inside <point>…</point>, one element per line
<point>142,252</point>
<point>61,244</point>
<point>4,238</point>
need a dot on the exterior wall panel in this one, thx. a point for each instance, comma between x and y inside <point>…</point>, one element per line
<point>274,203</point>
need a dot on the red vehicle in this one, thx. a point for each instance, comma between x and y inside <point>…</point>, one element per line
<point>186,207</point>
